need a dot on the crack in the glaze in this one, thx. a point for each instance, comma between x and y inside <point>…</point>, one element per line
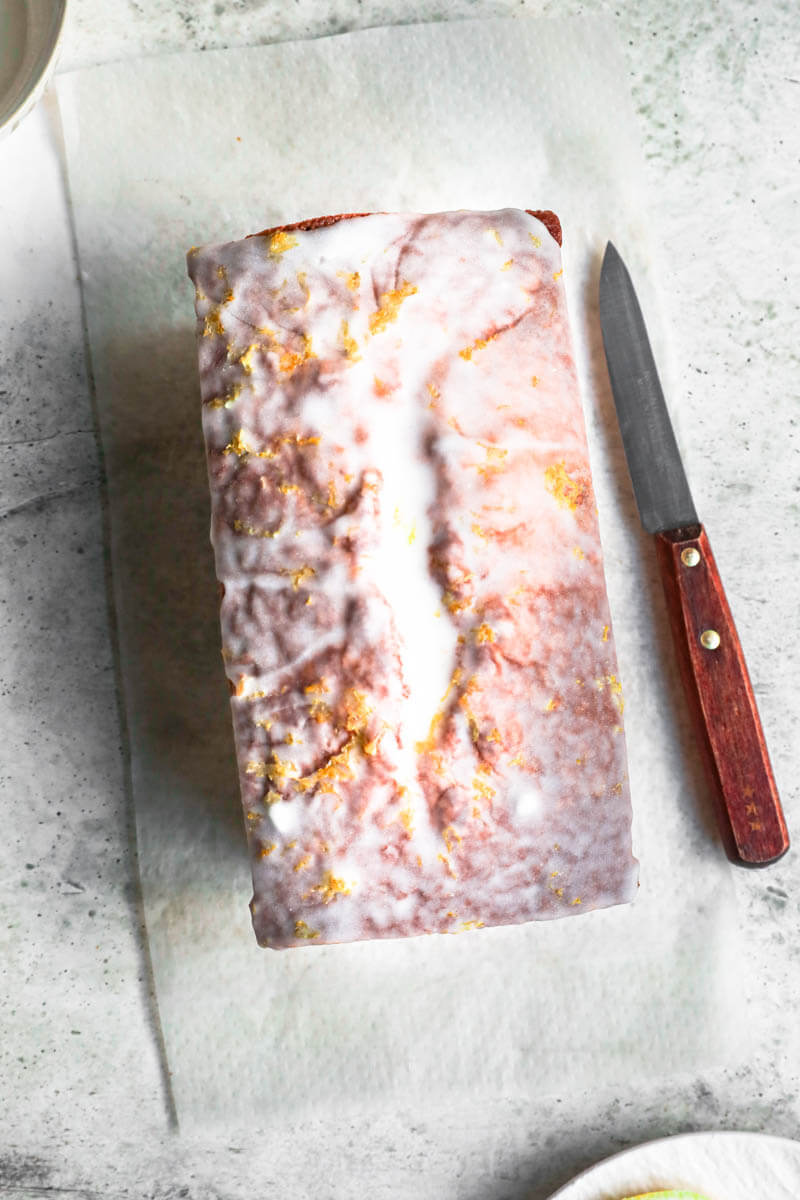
<point>300,660</point>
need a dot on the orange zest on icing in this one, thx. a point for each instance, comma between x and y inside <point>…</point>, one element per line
<point>389,306</point>
<point>281,241</point>
<point>567,492</point>
<point>301,930</point>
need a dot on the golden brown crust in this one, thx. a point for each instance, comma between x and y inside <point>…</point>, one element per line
<point>311,223</point>
<point>548,219</point>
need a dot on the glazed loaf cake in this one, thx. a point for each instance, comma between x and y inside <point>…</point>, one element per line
<point>426,704</point>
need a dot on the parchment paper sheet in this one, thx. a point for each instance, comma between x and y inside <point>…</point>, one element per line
<point>175,151</point>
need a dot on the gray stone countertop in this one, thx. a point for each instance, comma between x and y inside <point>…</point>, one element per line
<point>83,1105</point>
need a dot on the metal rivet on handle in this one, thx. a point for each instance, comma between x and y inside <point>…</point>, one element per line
<point>690,557</point>
<point>710,639</point>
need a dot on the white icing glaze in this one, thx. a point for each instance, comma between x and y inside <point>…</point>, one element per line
<point>362,381</point>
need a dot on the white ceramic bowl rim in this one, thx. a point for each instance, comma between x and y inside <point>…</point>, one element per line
<point>43,23</point>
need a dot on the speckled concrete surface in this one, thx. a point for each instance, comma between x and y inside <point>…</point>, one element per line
<point>719,100</point>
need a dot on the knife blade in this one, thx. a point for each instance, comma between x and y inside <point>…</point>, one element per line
<point>714,673</point>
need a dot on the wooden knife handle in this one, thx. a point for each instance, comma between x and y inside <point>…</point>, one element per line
<point>721,699</point>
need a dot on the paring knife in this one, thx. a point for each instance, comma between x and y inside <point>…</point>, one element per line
<point>712,665</point>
